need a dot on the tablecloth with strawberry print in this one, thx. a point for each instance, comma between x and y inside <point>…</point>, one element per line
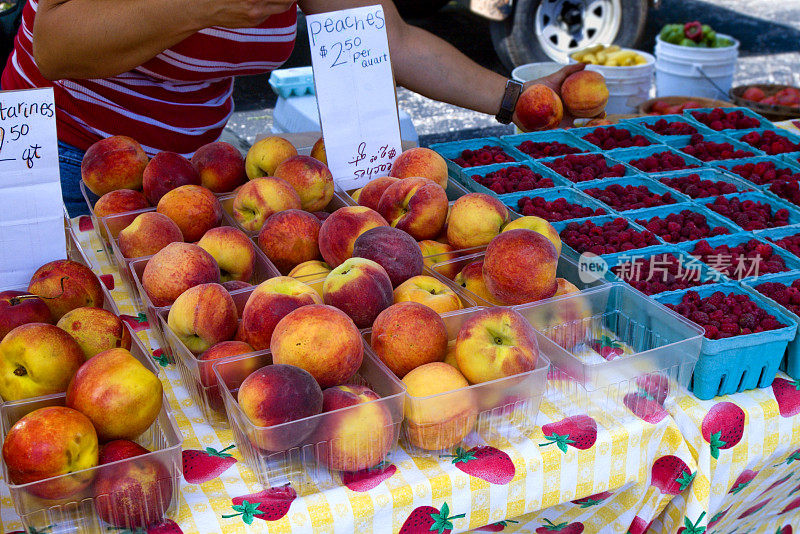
<point>582,471</point>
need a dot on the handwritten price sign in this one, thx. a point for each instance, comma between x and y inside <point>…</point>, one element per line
<point>355,93</point>
<point>32,217</point>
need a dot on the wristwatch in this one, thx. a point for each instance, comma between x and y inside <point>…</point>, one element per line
<point>513,89</point>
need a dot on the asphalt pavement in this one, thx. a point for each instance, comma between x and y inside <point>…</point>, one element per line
<point>769,32</point>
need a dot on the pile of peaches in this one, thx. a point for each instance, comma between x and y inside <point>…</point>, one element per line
<point>58,338</point>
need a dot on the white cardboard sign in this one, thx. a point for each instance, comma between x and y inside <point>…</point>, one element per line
<point>355,93</point>
<point>31,209</point>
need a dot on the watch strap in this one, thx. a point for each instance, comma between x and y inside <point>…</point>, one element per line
<point>509,103</point>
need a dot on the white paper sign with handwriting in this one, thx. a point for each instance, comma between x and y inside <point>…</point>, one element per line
<point>355,93</point>
<point>32,213</point>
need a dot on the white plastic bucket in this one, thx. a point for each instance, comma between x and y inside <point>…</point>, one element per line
<point>690,71</point>
<point>534,71</point>
<point>627,86</point>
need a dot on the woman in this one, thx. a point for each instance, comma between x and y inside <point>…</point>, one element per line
<point>161,71</point>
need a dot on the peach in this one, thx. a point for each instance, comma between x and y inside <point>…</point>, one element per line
<point>439,423</point>
<point>134,494</point>
<point>220,166</point>
<point>266,154</point>
<point>429,291</point>
<point>475,219</point>
<point>371,193</point>
<point>278,394</point>
<point>194,209</point>
<point>421,162</point>
<point>120,201</point>
<point>117,162</point>
<point>520,266</point>
<point>356,195</point>
<point>165,172</point>
<point>584,93</point>
<point>357,438</point>
<point>95,330</point>
<point>147,234</point>
<point>289,238</point>
<point>753,93</point>
<point>50,442</point>
<point>203,316</point>
<point>360,288</point>
<point>20,307</point>
<point>311,179</point>
<point>320,339</point>
<point>313,273</point>
<point>119,395</point>
<point>235,285</point>
<point>471,279</point>
<point>538,108</point>
<point>450,355</point>
<point>37,359</point>
<point>415,205</point>
<point>392,249</point>
<point>407,335</point>
<point>65,285</point>
<point>434,252</point>
<point>495,343</point>
<point>232,250</point>
<point>338,233</point>
<point>537,224</point>
<point>176,268</point>
<point>318,151</point>
<point>223,349</point>
<point>260,198</point>
<point>270,302</point>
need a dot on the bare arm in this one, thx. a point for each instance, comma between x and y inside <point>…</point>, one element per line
<point>101,38</point>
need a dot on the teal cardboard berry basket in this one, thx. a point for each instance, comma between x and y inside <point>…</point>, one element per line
<point>610,162</point>
<point>710,174</point>
<point>680,144</point>
<point>468,177</point>
<point>568,251</point>
<point>690,114</point>
<point>728,165</point>
<point>649,120</point>
<point>712,219</point>
<point>573,196</point>
<point>758,196</point>
<point>452,150</point>
<point>551,136</point>
<point>773,235</point>
<point>633,129</point>
<point>653,186</point>
<point>629,155</point>
<point>795,139</point>
<point>739,363</point>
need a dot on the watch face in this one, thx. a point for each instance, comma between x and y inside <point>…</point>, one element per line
<point>509,102</point>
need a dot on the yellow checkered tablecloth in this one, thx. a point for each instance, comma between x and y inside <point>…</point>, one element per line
<point>617,479</point>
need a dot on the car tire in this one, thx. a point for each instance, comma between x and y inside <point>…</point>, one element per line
<point>516,42</point>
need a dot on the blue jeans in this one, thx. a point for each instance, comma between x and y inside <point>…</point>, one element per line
<point>69,165</point>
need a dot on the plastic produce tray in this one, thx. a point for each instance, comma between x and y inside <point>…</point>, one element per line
<point>791,261</point>
<point>630,154</point>
<point>573,196</point>
<point>296,81</point>
<point>546,172</point>
<point>663,348</point>
<point>634,129</point>
<point>680,144</point>
<point>504,408</point>
<point>689,114</point>
<point>642,123</point>
<point>713,219</point>
<point>76,513</point>
<point>551,136</point>
<point>712,174</point>
<point>739,363</point>
<point>653,185</point>
<point>610,161</point>
<point>291,453</point>
<point>791,365</point>
<point>728,165</point>
<point>772,200</point>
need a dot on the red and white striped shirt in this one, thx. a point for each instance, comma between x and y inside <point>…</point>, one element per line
<point>177,101</point>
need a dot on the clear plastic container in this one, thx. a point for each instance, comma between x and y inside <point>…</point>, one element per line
<point>303,462</point>
<point>499,409</point>
<point>659,349</point>
<point>76,513</point>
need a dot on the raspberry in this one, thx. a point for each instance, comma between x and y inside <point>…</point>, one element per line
<point>790,243</point>
<point>717,119</point>
<point>513,179</point>
<point>547,150</point>
<point>787,190</point>
<point>771,142</point>
<point>752,258</point>
<point>557,210</point>
<point>764,172</point>
<point>585,167</point>
<point>750,214</point>
<point>485,155</point>
<point>741,315</point>
<point>686,225</point>
<point>786,296</point>
<point>613,236</point>
<point>695,187</point>
<point>662,127</point>
<point>710,150</point>
<point>610,137</point>
<point>661,162</point>
<point>659,273</point>
<point>630,197</point>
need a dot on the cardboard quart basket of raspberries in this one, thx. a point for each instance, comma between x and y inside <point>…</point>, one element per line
<point>587,167</point>
<point>548,144</point>
<point>704,183</point>
<point>633,193</point>
<point>614,137</point>
<point>762,170</point>
<point>668,127</point>
<point>728,119</point>
<point>505,178</point>
<point>657,159</point>
<point>784,289</point>
<point>714,148</point>
<point>604,235</point>
<point>753,211</point>
<point>787,238</point>
<point>745,337</point>
<point>555,205</point>
<point>477,152</point>
<point>682,223</point>
<point>742,256</point>
<point>660,269</point>
<point>771,142</point>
